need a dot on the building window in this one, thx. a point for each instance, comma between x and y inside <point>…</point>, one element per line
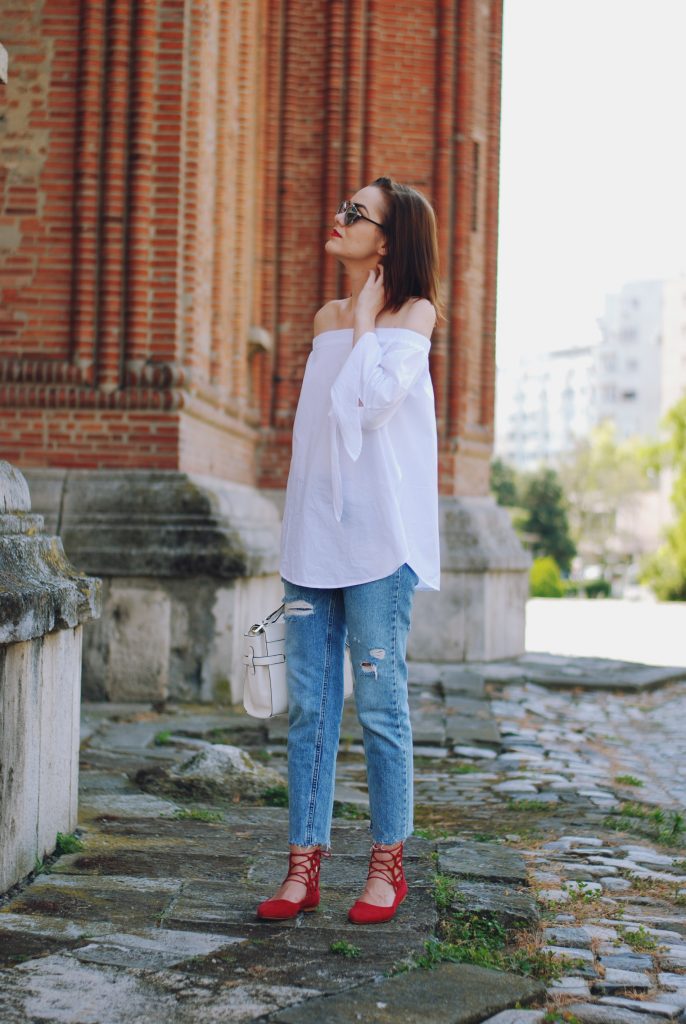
<point>628,395</point>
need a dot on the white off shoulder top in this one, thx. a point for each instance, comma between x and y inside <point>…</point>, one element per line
<point>362,492</point>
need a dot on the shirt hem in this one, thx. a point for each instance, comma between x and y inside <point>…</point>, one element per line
<point>421,585</point>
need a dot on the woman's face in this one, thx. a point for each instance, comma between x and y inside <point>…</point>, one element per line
<point>361,240</point>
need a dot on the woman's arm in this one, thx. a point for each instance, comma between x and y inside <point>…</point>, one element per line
<point>374,382</point>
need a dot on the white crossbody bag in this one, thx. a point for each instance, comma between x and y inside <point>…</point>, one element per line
<point>265,693</point>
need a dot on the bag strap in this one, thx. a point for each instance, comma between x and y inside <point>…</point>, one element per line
<point>269,659</point>
<point>259,626</point>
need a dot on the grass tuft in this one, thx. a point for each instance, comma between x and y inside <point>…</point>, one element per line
<point>196,814</point>
<point>432,832</point>
<point>639,939</point>
<point>628,780</point>
<point>524,804</point>
<point>67,843</point>
<point>349,811</point>
<point>163,739</point>
<point>343,948</point>
<point>665,827</point>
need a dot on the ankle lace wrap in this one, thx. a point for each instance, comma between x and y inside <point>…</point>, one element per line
<point>303,866</point>
<point>387,864</point>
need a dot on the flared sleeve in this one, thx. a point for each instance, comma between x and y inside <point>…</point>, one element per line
<point>370,386</point>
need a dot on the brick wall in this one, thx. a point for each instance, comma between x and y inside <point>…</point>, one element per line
<point>169,172</point>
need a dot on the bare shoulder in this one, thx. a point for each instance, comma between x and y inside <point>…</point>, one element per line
<point>416,314</point>
<point>328,317</point>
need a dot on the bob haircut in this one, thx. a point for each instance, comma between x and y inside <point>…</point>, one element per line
<point>411,263</point>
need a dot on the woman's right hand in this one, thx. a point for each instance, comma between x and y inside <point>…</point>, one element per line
<point>372,298</point>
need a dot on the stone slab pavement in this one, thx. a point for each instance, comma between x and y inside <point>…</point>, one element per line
<point>553,810</point>
<point>154,918</point>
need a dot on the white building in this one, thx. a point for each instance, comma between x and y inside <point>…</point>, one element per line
<point>673,377</point>
<point>628,360</point>
<point>632,375</point>
<point>547,401</point>
<point>543,405</point>
<point>673,371</point>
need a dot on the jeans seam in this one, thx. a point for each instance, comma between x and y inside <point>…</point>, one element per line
<point>320,732</point>
<point>394,641</point>
<point>395,644</point>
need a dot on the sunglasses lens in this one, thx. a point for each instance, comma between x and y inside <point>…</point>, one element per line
<point>349,211</point>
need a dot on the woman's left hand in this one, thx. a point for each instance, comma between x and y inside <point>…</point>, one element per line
<point>372,298</point>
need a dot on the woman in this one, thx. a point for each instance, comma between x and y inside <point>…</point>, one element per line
<point>360,533</point>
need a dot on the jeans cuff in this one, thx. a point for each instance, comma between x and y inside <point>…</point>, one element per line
<point>326,846</point>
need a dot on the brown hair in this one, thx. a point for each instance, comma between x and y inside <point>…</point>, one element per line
<point>411,262</point>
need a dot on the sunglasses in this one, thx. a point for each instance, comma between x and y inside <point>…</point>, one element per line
<point>351,213</point>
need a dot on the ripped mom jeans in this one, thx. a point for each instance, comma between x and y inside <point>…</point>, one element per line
<point>376,618</point>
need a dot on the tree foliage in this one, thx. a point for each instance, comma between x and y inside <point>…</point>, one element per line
<point>600,476</point>
<point>544,578</point>
<point>538,509</point>
<point>504,482</point>
<point>665,571</point>
<point>546,522</point>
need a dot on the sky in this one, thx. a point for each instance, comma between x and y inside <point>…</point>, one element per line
<point>592,163</point>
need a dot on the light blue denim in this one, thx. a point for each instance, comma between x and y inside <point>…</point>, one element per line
<point>376,617</point>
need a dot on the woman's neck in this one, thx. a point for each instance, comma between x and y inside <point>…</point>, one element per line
<point>357,276</point>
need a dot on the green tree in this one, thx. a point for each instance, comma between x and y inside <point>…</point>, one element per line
<point>600,476</point>
<point>544,578</point>
<point>665,571</point>
<point>504,482</point>
<point>546,524</point>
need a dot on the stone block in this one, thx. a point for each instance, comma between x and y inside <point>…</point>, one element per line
<point>479,611</point>
<point>44,602</point>
<point>595,1013</point>
<point>133,614</point>
<point>39,738</point>
<point>517,1017</point>
<point>484,861</point>
<point>666,1011</point>
<point>617,981</point>
<point>512,906</point>
<point>449,994</point>
<point>45,989</point>
<point>188,563</point>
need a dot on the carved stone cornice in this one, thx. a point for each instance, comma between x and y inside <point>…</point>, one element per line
<point>50,383</point>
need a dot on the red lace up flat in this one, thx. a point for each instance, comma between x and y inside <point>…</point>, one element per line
<point>386,864</point>
<point>303,866</point>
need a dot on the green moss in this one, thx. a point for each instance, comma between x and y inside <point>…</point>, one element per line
<point>275,796</point>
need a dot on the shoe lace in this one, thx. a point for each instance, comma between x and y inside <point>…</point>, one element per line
<point>389,869</point>
<point>303,866</point>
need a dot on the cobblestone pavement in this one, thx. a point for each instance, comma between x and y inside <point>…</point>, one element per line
<point>557,812</point>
